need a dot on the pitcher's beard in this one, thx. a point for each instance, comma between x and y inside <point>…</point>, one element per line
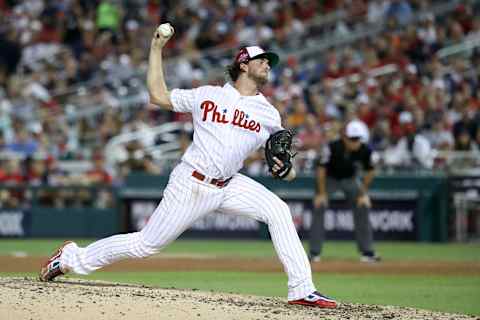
<point>260,81</point>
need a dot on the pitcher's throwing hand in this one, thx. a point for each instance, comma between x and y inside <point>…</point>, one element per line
<point>161,36</point>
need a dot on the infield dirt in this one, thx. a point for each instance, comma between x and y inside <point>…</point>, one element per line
<point>71,299</point>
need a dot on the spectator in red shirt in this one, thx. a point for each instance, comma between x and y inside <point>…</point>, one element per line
<point>98,175</point>
<point>11,176</point>
<point>310,137</point>
<point>36,172</point>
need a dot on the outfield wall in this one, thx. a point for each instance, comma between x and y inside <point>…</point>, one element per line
<point>404,208</point>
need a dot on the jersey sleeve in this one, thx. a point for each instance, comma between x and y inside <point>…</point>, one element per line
<point>277,124</point>
<point>183,100</point>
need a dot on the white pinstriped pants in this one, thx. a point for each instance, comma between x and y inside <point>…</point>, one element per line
<point>186,199</point>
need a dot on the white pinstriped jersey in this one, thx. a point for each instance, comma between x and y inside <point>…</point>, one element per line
<point>228,127</point>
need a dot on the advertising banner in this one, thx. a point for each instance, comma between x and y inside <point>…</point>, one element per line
<point>13,223</point>
<point>391,219</point>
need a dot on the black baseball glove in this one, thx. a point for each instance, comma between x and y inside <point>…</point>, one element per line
<point>279,145</point>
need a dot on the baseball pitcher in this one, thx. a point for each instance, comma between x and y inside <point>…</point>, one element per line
<point>230,123</point>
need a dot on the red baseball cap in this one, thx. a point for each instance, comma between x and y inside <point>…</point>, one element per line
<point>254,52</point>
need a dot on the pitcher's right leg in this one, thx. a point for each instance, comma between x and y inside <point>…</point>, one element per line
<point>184,201</point>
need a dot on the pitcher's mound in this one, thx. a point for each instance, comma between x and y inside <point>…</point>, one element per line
<point>73,299</point>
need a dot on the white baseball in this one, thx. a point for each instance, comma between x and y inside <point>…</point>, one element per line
<point>165,29</point>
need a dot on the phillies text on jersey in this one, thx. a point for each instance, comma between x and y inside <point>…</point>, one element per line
<point>228,127</point>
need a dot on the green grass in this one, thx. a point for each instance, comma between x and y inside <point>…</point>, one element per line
<point>405,251</point>
<point>417,291</point>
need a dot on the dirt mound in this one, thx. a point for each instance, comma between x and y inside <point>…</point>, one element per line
<point>73,299</point>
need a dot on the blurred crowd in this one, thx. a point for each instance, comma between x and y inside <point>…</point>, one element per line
<point>415,103</point>
<point>72,77</point>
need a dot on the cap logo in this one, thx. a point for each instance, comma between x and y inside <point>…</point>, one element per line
<point>248,53</point>
<point>242,56</point>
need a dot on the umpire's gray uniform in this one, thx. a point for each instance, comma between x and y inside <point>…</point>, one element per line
<point>337,170</point>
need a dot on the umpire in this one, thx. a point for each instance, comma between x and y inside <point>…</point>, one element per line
<point>336,170</point>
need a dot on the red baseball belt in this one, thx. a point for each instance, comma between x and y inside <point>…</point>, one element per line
<point>216,182</point>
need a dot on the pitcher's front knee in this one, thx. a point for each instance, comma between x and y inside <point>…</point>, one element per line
<point>282,211</point>
<point>144,249</point>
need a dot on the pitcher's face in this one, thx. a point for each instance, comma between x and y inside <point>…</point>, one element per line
<point>258,70</point>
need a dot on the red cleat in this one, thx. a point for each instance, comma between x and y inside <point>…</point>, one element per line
<point>51,268</point>
<point>316,299</point>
